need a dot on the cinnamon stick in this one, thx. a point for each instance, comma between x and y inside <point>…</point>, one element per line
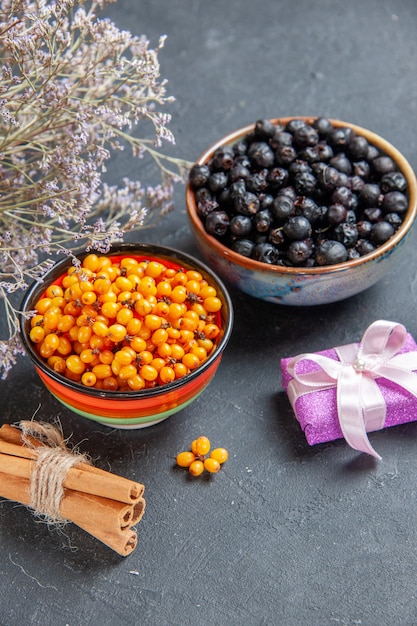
<point>118,514</point>
<point>123,541</point>
<point>101,503</point>
<point>83,477</point>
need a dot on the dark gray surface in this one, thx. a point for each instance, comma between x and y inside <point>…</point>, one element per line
<point>285,534</point>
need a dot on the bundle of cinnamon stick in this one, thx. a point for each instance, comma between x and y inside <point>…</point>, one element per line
<point>103,504</point>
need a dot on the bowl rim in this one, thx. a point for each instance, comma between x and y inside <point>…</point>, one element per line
<point>118,249</point>
<point>252,264</point>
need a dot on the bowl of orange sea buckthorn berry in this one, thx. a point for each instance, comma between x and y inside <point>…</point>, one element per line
<point>129,337</point>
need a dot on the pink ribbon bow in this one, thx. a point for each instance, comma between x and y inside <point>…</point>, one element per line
<point>361,407</point>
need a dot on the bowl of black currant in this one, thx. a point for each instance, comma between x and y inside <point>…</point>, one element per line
<point>301,211</point>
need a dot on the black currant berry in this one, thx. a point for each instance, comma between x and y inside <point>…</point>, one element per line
<point>330,253</point>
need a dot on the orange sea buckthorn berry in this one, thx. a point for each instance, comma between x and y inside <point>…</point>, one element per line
<point>167,374</point>
<point>145,357</point>
<point>110,309</point>
<point>124,357</point>
<point>143,307</point>
<point>164,350</point>
<point>175,311</point>
<point>194,275</point>
<point>133,326</point>
<point>188,323</point>
<point>84,334</point>
<point>110,383</point>
<point>199,309</point>
<point>54,291</point>
<point>110,296</point>
<point>184,459</point>
<point>220,454</point>
<point>169,273</point>
<point>96,342</point>
<point>74,364</point>
<point>200,352</point>
<point>180,370</point>
<point>144,333</point>
<point>207,292</point>
<point>159,336</point>
<point>65,323</point>
<point>162,308</point>
<point>147,286</point>
<point>86,285</point>
<point>50,319</point>
<point>152,321</point>
<point>72,376</point>
<point>103,262</point>
<point>207,344</point>
<point>68,280</point>
<point>100,329</point>
<point>163,289</point>
<point>78,347</point>
<point>36,320</point>
<point>102,370</point>
<point>52,340</point>
<point>59,302</point>
<point>102,285</point>
<point>136,382</point>
<point>173,334</point>
<point>193,286</point>
<point>127,371</point>
<point>88,297</point>
<point>179,294</point>
<point>158,363</point>
<point>138,344</point>
<point>196,468</point>
<point>72,308</point>
<point>89,379</point>
<point>212,304</point>
<point>91,262</point>
<point>123,283</point>
<point>202,445</point>
<point>177,351</point>
<point>57,363</point>
<point>211,465</point>
<point>106,356</point>
<point>180,278</point>
<point>117,332</point>
<point>73,292</point>
<point>44,350</point>
<point>87,356</point>
<point>154,269</point>
<point>116,366</point>
<point>128,263</point>
<point>124,316</point>
<point>64,346</point>
<point>37,334</point>
<point>211,331</point>
<point>148,372</point>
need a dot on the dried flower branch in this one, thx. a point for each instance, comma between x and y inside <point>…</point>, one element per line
<point>73,89</point>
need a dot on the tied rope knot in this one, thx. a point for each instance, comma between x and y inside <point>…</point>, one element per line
<point>361,407</point>
<point>51,467</point>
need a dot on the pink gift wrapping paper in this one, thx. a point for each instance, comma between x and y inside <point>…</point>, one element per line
<point>317,411</point>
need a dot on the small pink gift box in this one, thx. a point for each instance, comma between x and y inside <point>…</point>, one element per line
<point>350,390</point>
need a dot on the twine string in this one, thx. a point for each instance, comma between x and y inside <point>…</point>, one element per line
<point>52,464</point>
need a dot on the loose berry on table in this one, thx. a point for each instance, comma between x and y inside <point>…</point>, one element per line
<point>199,458</point>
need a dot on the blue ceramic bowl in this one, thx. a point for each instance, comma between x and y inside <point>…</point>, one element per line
<point>304,286</point>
